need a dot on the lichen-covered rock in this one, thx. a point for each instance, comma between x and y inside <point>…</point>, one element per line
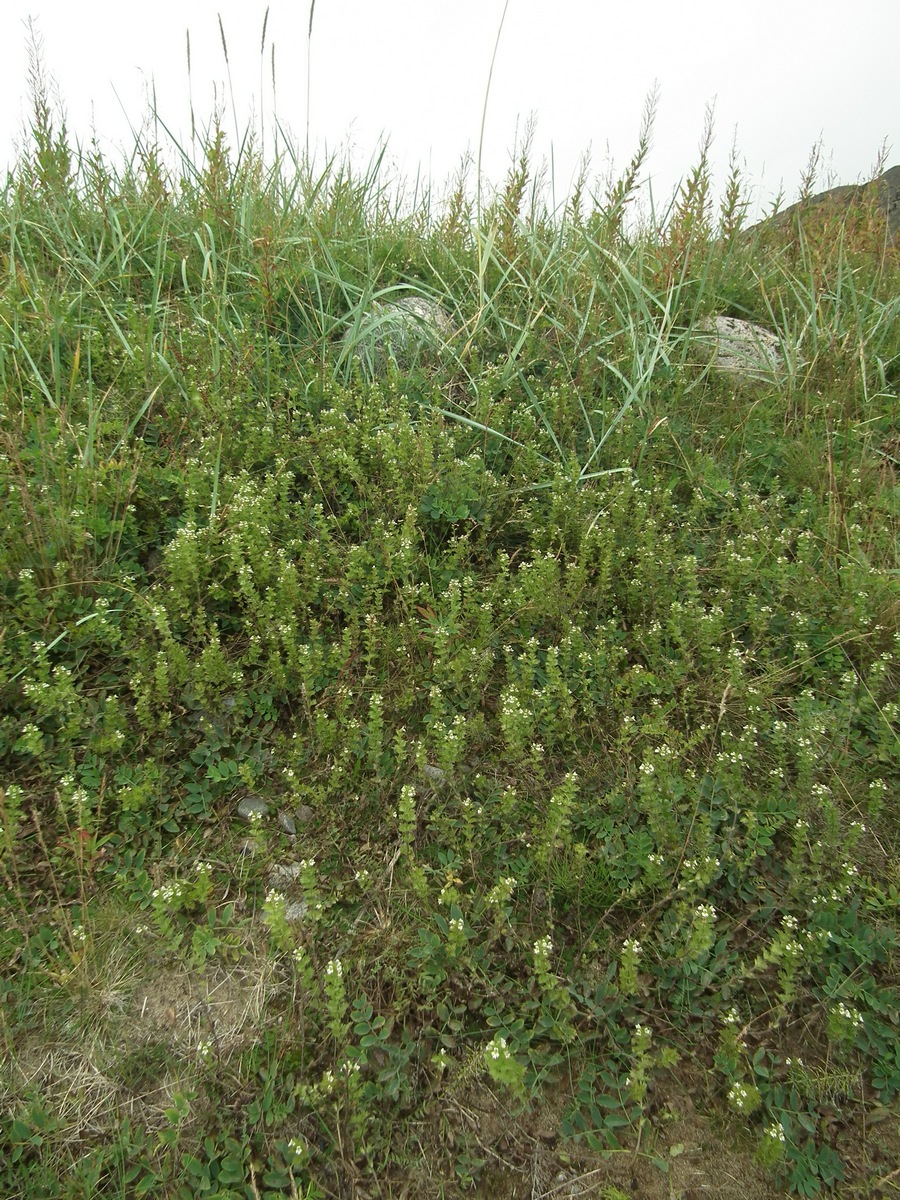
<point>407,331</point>
<point>742,348</point>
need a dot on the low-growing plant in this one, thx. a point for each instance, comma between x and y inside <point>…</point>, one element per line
<point>564,668</point>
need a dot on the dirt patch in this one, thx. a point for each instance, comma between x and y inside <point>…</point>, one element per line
<point>679,1154</point>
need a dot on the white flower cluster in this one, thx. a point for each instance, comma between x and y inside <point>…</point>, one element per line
<point>851,1015</point>
<point>168,892</point>
<point>700,869</point>
<point>496,1048</point>
<point>298,1147</point>
<point>543,947</point>
<point>502,891</point>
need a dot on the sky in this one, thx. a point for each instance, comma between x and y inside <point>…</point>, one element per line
<point>780,78</point>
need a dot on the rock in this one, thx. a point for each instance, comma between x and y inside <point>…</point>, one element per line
<point>837,200</point>
<point>286,821</point>
<point>403,330</point>
<point>889,201</point>
<point>283,875</point>
<point>742,348</point>
<point>435,774</point>
<point>252,805</point>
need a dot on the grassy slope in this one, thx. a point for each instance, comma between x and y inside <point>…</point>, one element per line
<point>575,662</point>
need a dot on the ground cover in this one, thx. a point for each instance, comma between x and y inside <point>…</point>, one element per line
<point>571,663</point>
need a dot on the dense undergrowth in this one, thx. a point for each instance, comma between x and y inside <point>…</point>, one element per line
<point>573,661</point>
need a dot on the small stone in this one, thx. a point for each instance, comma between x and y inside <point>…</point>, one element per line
<point>435,774</point>
<point>250,805</point>
<point>283,874</point>
<point>287,823</point>
<point>295,910</point>
<point>304,814</point>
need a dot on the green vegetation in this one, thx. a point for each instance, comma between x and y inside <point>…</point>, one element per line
<point>573,660</point>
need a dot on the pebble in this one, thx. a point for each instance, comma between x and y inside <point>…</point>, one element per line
<point>250,805</point>
<point>284,874</point>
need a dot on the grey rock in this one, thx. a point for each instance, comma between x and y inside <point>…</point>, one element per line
<point>287,823</point>
<point>887,196</point>
<point>742,348</point>
<point>435,774</point>
<point>889,200</point>
<point>304,814</point>
<point>296,910</point>
<point>251,805</point>
<point>283,875</point>
<point>404,330</point>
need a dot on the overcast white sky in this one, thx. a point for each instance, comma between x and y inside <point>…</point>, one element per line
<point>782,75</point>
